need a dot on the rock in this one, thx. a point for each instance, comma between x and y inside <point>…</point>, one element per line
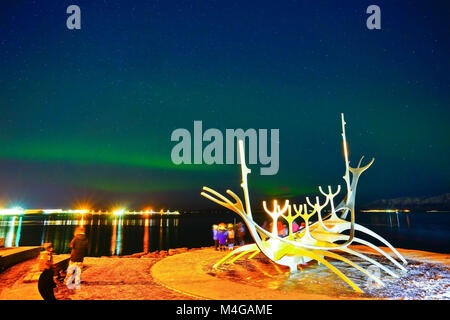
<point>151,255</point>
<point>177,251</point>
<point>163,253</point>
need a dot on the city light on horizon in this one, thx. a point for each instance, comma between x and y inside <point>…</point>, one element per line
<point>117,211</point>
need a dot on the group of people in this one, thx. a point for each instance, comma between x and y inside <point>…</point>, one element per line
<point>72,280</point>
<point>227,236</point>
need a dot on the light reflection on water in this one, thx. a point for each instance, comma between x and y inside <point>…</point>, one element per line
<point>10,235</point>
<point>122,235</point>
<point>106,235</point>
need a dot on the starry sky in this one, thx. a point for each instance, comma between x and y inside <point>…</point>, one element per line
<point>86,115</point>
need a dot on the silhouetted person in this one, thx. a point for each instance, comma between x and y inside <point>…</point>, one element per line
<point>46,284</point>
<point>215,233</point>
<point>240,233</point>
<point>230,236</point>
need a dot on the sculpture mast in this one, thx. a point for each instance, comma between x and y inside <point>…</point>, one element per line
<point>245,172</point>
<point>347,164</point>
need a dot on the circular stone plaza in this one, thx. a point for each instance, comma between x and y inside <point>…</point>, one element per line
<point>188,274</point>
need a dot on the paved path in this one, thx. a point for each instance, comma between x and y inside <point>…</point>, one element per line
<point>102,279</point>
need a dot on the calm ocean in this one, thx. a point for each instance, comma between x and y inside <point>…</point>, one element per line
<point>130,234</point>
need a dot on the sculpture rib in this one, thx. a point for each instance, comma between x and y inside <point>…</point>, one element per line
<point>367,243</point>
<point>364,257</point>
<point>236,251</point>
<point>337,236</point>
<point>381,239</point>
<point>318,258</point>
<point>343,226</point>
<point>240,255</point>
<point>333,237</point>
<point>252,255</point>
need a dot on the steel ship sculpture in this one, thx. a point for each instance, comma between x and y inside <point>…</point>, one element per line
<point>325,238</point>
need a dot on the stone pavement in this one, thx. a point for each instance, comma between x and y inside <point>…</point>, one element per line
<point>190,273</point>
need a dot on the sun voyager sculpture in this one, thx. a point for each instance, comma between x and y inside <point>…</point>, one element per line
<point>324,238</point>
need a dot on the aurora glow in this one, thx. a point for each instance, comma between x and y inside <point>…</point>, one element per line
<point>89,113</point>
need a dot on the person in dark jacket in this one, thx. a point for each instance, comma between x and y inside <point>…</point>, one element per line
<point>79,246</point>
<point>215,233</point>
<point>46,284</point>
<point>240,233</point>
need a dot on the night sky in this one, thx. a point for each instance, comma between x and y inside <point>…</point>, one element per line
<point>86,115</point>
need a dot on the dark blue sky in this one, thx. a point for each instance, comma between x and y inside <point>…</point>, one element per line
<point>86,115</point>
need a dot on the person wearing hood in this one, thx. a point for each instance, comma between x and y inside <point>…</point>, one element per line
<point>79,246</point>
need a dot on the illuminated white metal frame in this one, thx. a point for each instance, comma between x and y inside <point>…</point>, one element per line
<point>315,241</point>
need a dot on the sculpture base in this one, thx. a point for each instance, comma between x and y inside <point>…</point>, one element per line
<point>428,277</point>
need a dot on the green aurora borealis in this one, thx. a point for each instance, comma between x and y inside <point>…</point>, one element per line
<point>89,113</point>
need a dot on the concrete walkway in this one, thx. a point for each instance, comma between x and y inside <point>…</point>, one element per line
<point>12,256</point>
<point>102,279</point>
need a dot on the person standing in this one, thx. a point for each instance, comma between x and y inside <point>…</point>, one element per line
<point>79,246</point>
<point>222,235</point>
<point>215,233</point>
<point>46,257</point>
<point>46,284</point>
<point>240,233</point>
<point>230,237</point>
